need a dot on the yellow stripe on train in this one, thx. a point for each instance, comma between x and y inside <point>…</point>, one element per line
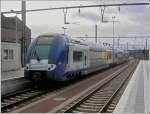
<point>105,55</point>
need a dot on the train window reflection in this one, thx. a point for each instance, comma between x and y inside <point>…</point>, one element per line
<point>77,56</point>
<point>45,40</point>
<point>42,48</point>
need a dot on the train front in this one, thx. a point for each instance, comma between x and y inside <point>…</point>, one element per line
<point>46,59</point>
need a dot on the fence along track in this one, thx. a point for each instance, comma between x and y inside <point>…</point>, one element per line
<point>103,98</point>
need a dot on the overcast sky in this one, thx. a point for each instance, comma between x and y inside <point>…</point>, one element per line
<point>133,20</point>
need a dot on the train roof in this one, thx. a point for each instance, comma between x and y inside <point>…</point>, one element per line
<point>92,45</point>
<point>51,34</point>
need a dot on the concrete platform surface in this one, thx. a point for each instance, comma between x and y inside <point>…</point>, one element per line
<point>136,97</point>
<point>12,74</point>
<point>9,86</point>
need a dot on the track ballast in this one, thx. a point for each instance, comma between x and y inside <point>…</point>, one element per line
<point>104,98</point>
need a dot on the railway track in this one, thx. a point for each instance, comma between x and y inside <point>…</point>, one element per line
<point>104,98</point>
<point>24,97</point>
<point>11,101</point>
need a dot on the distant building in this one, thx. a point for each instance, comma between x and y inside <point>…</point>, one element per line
<point>139,54</point>
<point>11,35</point>
<point>12,27</point>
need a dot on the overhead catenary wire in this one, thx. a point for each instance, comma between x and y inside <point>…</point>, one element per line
<point>109,37</point>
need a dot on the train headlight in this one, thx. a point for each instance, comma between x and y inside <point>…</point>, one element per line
<point>60,63</point>
<point>51,66</point>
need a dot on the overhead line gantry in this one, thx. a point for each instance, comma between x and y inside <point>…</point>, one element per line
<point>81,6</point>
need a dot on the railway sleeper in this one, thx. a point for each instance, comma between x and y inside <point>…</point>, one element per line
<point>106,90</point>
<point>3,103</point>
<point>111,107</point>
<point>91,106</point>
<point>8,110</point>
<point>8,101</point>
<point>117,97</point>
<point>27,95</point>
<point>109,111</point>
<point>106,93</point>
<point>34,91</point>
<point>75,111</point>
<point>19,98</point>
<point>24,97</point>
<point>86,110</point>
<point>96,104</point>
<point>114,102</point>
<point>15,99</point>
<point>31,93</point>
<point>98,99</point>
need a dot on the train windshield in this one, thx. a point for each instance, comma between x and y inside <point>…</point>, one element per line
<point>42,48</point>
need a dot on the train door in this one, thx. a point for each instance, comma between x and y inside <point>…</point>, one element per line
<point>86,62</point>
<point>75,57</point>
<point>85,59</point>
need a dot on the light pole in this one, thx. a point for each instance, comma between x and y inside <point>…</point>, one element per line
<point>118,42</point>
<point>86,36</point>
<point>113,18</point>
<point>135,46</point>
<point>23,41</point>
<point>113,21</point>
<point>146,44</point>
<point>127,46</point>
<point>95,33</point>
<point>16,29</point>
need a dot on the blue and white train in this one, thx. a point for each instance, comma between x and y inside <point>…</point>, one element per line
<point>58,57</point>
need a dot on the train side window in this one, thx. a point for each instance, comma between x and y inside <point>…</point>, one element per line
<point>5,54</point>
<point>77,56</point>
<point>11,54</point>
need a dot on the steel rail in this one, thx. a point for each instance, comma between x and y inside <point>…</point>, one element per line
<point>16,93</point>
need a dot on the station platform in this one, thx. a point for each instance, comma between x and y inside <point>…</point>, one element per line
<point>136,97</point>
<point>12,74</point>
